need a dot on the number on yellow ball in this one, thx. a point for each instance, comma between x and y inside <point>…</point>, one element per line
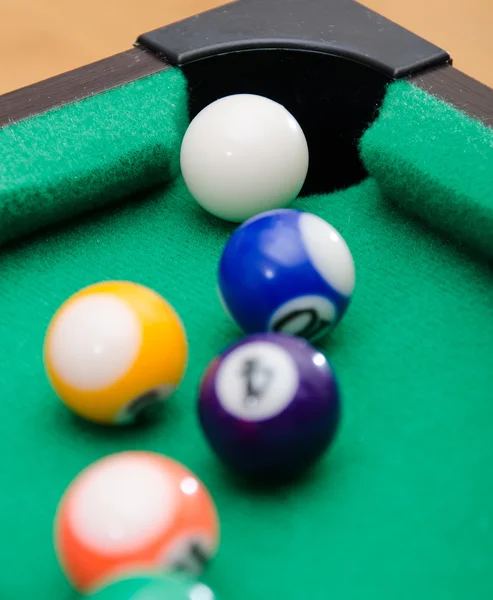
<point>112,349</point>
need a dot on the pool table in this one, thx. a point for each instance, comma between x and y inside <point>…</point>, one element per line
<point>402,165</point>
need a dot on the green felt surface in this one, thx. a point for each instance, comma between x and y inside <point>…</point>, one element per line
<point>435,162</point>
<point>402,507</point>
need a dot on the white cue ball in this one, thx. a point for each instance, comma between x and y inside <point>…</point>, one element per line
<point>243,155</point>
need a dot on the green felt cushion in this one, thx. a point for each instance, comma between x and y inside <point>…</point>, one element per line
<point>435,161</point>
<point>401,507</point>
<point>90,153</point>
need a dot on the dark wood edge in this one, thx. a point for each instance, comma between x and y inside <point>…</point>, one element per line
<point>465,93</point>
<point>78,84</point>
<point>445,82</point>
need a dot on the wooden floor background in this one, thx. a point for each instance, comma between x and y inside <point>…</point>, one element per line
<point>41,38</point>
